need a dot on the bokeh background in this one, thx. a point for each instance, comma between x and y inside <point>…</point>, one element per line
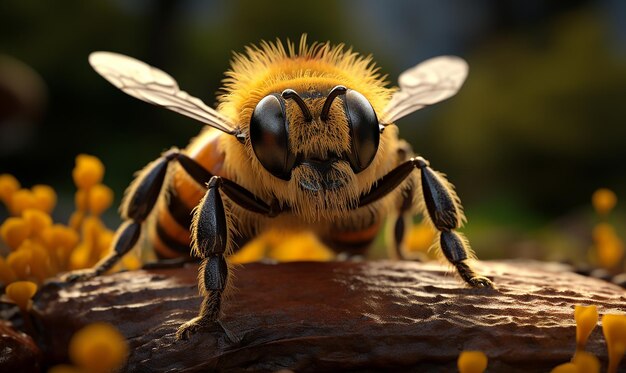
<point>538,126</point>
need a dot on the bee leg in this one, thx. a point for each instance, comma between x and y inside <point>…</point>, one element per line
<point>443,208</point>
<point>139,201</point>
<point>210,241</point>
<point>398,227</point>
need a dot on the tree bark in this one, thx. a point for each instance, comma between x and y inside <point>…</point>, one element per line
<point>336,316</point>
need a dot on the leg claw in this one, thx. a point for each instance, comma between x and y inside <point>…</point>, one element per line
<point>481,282</point>
<point>196,324</point>
<point>189,328</point>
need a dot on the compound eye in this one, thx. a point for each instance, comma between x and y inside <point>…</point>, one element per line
<point>270,137</point>
<point>364,130</point>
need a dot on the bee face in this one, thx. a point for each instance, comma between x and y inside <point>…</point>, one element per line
<point>317,139</point>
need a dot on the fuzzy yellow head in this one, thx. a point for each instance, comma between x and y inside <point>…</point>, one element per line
<point>313,149</point>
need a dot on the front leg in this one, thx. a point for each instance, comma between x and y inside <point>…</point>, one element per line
<point>211,242</point>
<point>209,232</point>
<point>443,210</point>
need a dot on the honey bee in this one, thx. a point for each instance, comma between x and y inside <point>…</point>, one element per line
<point>303,137</point>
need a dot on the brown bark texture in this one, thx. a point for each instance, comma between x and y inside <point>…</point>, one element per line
<point>336,316</point>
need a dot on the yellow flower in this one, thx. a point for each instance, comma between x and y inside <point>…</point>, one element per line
<point>565,368</point>
<point>21,292</point>
<point>14,231</point>
<point>253,251</point>
<point>21,200</point>
<point>8,186</point>
<point>98,347</point>
<point>614,328</point>
<point>100,199</point>
<point>45,198</point>
<point>59,235</point>
<point>303,246</point>
<point>88,172</point>
<point>586,319</point>
<point>420,238</point>
<point>37,220</point>
<point>603,200</point>
<point>586,362</point>
<point>131,262</point>
<point>19,262</point>
<point>76,220</point>
<point>80,257</point>
<point>39,260</point>
<point>472,362</point>
<point>7,275</point>
<point>609,248</point>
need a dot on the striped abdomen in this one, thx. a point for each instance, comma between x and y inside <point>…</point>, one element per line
<point>168,231</point>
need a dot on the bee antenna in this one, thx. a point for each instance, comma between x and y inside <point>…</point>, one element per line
<point>290,93</point>
<point>338,90</point>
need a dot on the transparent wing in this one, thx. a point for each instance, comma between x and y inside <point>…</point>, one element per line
<point>156,87</point>
<point>429,82</point>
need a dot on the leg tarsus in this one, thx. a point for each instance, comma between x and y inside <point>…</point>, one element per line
<point>446,216</point>
<point>471,278</point>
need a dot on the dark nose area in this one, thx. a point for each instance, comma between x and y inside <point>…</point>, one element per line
<point>321,165</point>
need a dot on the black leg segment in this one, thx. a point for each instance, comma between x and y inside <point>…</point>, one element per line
<point>443,210</point>
<point>210,242</point>
<point>141,197</point>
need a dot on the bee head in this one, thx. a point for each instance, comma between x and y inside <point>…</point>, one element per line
<point>285,135</point>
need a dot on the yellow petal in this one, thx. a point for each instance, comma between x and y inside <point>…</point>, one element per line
<point>98,347</point>
<point>566,368</point>
<point>45,197</point>
<point>19,262</point>
<point>37,220</point>
<point>60,235</point>
<point>614,328</point>
<point>76,220</point>
<point>88,172</point>
<point>21,200</point>
<point>100,199</point>
<point>8,186</point>
<point>14,231</point>
<point>7,275</point>
<point>420,238</point>
<point>472,362</point>
<point>253,251</point>
<point>131,262</point>
<point>603,200</point>
<point>302,246</point>
<point>80,257</point>
<point>586,319</point>
<point>586,362</point>
<point>20,292</point>
<point>105,240</point>
<point>40,262</point>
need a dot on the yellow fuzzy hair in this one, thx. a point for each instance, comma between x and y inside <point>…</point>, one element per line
<point>274,67</point>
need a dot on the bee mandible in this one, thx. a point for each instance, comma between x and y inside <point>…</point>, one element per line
<point>304,137</point>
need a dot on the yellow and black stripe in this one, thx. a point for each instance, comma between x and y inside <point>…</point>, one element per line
<point>353,242</point>
<point>169,230</point>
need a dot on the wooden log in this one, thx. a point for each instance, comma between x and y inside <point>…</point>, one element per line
<point>337,316</point>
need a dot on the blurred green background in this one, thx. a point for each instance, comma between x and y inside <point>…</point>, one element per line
<point>538,126</point>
